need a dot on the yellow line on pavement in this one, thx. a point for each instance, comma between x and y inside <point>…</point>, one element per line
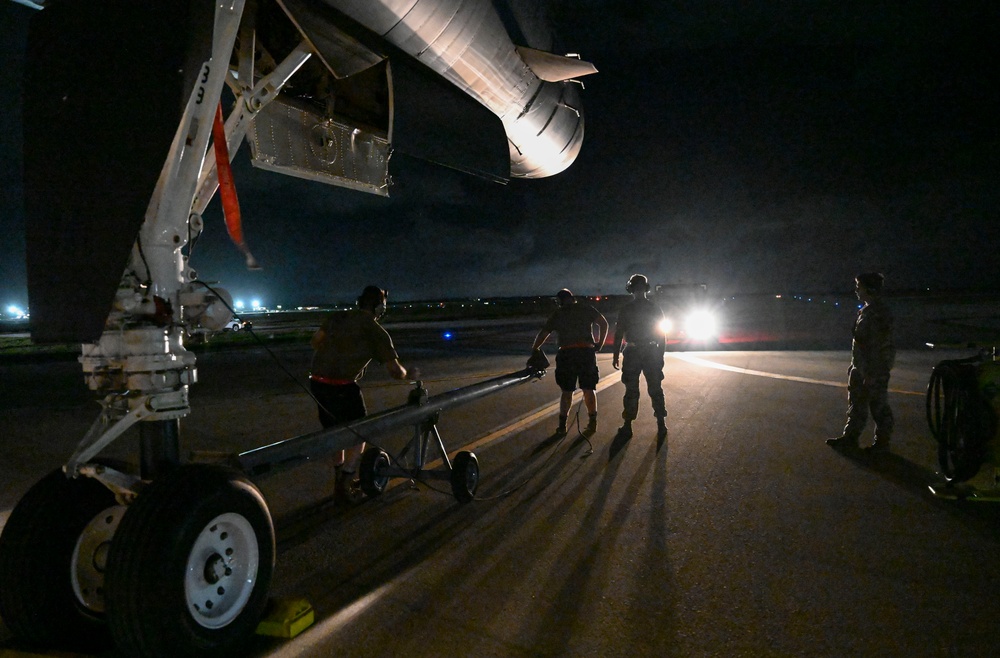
<point>519,424</point>
<point>535,416</point>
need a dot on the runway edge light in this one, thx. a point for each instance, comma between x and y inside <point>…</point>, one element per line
<point>286,618</point>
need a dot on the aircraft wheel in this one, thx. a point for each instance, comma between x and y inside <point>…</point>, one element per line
<point>191,565</point>
<point>53,552</point>
<point>464,476</point>
<point>373,472</point>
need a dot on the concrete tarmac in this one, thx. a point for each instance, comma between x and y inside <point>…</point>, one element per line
<point>738,534</point>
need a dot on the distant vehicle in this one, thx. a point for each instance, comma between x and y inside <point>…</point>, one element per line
<point>237,325</point>
<point>690,317</point>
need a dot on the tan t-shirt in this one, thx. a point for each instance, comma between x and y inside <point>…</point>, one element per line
<point>349,340</point>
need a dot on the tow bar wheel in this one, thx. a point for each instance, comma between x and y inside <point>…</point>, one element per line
<point>373,471</point>
<point>191,565</point>
<point>53,552</point>
<point>464,476</point>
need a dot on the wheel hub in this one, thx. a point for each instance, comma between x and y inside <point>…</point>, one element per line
<point>472,475</point>
<point>216,569</point>
<point>221,570</point>
<point>90,558</point>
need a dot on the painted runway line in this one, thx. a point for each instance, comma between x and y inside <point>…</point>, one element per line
<point>705,363</point>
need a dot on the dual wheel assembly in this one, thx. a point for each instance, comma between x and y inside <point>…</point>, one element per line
<point>376,470</point>
<point>184,570</point>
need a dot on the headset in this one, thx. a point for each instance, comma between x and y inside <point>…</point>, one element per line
<point>637,283</point>
<point>374,296</point>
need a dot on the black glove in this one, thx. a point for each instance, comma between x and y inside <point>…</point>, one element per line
<point>537,360</point>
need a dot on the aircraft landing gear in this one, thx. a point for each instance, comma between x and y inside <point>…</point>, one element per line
<point>188,571</point>
<point>191,565</point>
<point>53,553</point>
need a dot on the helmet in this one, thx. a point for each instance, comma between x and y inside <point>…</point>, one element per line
<point>637,283</point>
<point>564,297</point>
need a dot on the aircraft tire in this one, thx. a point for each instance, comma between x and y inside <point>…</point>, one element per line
<point>372,472</point>
<point>464,476</point>
<point>191,565</point>
<point>39,560</point>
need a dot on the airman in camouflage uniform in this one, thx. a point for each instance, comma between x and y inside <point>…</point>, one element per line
<point>872,358</point>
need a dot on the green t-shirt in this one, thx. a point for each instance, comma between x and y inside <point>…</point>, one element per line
<point>573,324</point>
<point>350,340</point>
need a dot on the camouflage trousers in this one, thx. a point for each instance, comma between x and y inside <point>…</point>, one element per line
<point>864,396</point>
<point>646,360</point>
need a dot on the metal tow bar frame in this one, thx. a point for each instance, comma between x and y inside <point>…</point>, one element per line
<point>422,412</point>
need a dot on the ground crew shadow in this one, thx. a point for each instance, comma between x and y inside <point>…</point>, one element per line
<point>894,468</point>
<point>618,444</point>
<point>980,517</point>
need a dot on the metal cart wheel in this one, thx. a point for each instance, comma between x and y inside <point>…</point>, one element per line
<point>373,471</point>
<point>464,476</point>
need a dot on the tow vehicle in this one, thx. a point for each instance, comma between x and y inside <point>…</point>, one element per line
<point>691,319</point>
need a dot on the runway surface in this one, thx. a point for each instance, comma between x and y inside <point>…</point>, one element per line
<point>739,534</point>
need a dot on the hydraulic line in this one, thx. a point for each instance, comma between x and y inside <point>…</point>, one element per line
<point>959,417</point>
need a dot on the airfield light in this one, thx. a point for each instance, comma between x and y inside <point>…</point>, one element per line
<point>448,335</point>
<point>15,311</point>
<point>255,304</point>
<point>238,304</point>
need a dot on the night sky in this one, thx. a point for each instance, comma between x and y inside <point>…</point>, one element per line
<point>757,147</point>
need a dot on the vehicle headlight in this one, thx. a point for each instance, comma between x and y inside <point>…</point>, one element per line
<point>665,326</point>
<point>701,325</point>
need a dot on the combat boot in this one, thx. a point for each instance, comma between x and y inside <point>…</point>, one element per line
<point>661,426</point>
<point>591,428</point>
<point>625,431</point>
<point>880,446</point>
<point>347,488</point>
<point>843,441</point>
